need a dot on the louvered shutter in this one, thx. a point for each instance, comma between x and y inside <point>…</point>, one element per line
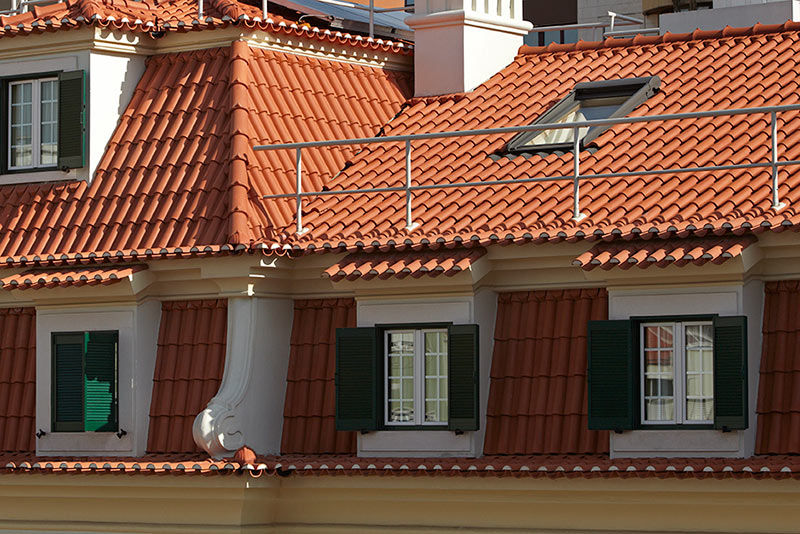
<point>357,380</point>
<point>67,383</point>
<point>71,119</point>
<point>612,375</point>
<point>462,380</point>
<point>730,373</point>
<point>100,404</point>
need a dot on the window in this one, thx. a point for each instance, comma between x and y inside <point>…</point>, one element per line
<point>677,378</point>
<point>44,122</point>
<point>588,101</point>
<point>687,372</point>
<point>416,377</point>
<point>85,374</point>
<point>407,377</point>
<point>33,122</point>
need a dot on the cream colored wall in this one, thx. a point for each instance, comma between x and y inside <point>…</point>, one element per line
<point>236,503</point>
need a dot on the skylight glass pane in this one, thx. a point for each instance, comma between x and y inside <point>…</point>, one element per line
<point>581,110</point>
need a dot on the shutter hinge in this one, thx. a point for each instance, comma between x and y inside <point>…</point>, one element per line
<point>121,433</point>
<point>40,433</point>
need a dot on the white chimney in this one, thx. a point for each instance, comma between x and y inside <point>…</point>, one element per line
<point>459,44</point>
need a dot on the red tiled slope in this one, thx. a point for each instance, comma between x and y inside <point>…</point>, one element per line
<point>189,366</point>
<point>735,69</point>
<point>77,277</point>
<point>174,15</point>
<point>537,397</point>
<point>626,254</point>
<point>403,264</point>
<point>17,379</point>
<point>779,384</point>
<point>309,411</point>
<point>165,179</point>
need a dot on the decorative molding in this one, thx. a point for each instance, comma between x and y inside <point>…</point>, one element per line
<point>220,428</point>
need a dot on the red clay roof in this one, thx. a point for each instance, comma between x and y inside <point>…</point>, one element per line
<point>179,175</point>
<point>310,409</point>
<point>779,383</point>
<point>535,466</point>
<point>189,366</point>
<point>87,276</point>
<point>537,397</point>
<point>174,15</point>
<point>17,379</point>
<point>751,67</point>
<point>402,264</point>
<point>641,253</point>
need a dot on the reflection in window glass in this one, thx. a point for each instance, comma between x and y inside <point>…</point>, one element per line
<point>582,110</point>
<point>21,124</point>
<point>659,374</point>
<point>401,376</point>
<point>436,377</point>
<point>699,372</point>
<point>49,123</point>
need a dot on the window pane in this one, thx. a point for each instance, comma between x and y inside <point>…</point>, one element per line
<point>400,368</point>
<point>699,372</point>
<point>21,154</point>
<point>435,376</point>
<point>659,373</point>
<point>49,123</point>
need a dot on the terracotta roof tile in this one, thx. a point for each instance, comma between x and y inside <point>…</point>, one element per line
<point>536,466</point>
<point>176,15</point>
<point>309,411</point>
<point>537,397</point>
<point>76,277</point>
<point>163,186</point>
<point>403,264</point>
<point>17,379</point>
<point>733,69</point>
<point>644,253</point>
<point>778,406</point>
<point>189,366</point>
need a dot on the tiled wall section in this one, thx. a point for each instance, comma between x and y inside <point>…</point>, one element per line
<point>309,411</point>
<point>189,366</point>
<point>17,379</point>
<point>537,397</point>
<point>779,385</point>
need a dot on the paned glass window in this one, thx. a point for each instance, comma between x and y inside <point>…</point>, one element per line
<point>677,361</point>
<point>33,123</point>
<point>416,377</point>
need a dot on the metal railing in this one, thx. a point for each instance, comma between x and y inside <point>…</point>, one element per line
<point>409,188</point>
<point>22,6</point>
<point>615,20</point>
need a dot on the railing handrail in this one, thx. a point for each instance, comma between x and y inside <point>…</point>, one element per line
<point>530,127</point>
<point>408,188</point>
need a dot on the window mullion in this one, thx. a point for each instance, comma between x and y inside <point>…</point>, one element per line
<point>680,375</point>
<point>419,378</point>
<point>36,123</point>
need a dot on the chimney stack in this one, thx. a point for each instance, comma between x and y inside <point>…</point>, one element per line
<point>459,44</point>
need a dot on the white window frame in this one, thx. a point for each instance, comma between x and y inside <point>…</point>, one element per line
<point>36,123</point>
<point>419,377</point>
<point>678,369</point>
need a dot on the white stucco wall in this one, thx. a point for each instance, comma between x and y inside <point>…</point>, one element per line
<point>746,299</point>
<point>479,309</point>
<point>138,333</point>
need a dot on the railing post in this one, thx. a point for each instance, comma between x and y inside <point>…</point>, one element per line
<point>372,19</point>
<point>200,10</point>
<point>776,203</point>
<point>298,191</point>
<point>576,193</point>
<point>264,12</point>
<point>409,221</point>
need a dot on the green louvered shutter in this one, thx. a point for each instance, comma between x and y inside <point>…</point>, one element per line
<point>462,380</point>
<point>357,382</point>
<point>611,376</point>
<point>730,373</point>
<point>71,119</point>
<point>67,382</point>
<point>100,404</point>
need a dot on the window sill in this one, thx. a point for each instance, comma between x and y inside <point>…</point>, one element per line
<point>83,444</point>
<point>677,443</point>
<point>35,176</point>
<point>421,443</point>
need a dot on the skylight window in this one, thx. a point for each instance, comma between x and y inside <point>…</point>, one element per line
<point>588,101</point>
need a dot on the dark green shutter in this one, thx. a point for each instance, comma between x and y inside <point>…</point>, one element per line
<point>101,382</point>
<point>71,119</point>
<point>67,382</point>
<point>357,381</point>
<point>612,376</point>
<point>730,373</point>
<point>462,381</point>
